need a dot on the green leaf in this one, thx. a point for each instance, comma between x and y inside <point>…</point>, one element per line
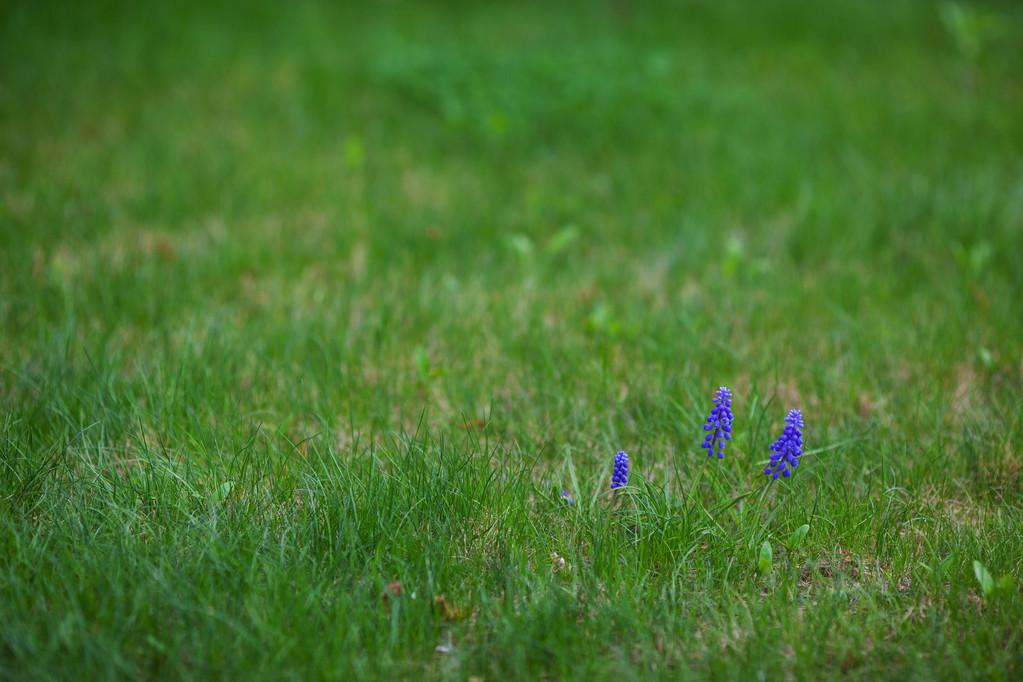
<point>562,239</point>
<point>602,320</point>
<point>734,255</point>
<point>970,29</point>
<point>222,491</point>
<point>766,558</point>
<point>354,153</point>
<point>987,583</point>
<point>520,244</point>
<point>798,535</point>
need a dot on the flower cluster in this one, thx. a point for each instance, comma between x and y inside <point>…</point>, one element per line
<point>719,424</point>
<point>620,474</point>
<point>786,451</point>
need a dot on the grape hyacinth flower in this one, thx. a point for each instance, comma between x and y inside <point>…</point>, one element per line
<point>719,424</point>
<point>620,474</point>
<point>786,451</point>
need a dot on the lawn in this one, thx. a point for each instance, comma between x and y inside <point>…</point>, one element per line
<point>309,313</point>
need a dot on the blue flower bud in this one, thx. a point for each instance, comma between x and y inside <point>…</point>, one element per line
<point>719,424</point>
<point>786,451</point>
<point>620,474</point>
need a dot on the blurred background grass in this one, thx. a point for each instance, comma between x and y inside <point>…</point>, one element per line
<point>566,213</point>
<point>570,222</point>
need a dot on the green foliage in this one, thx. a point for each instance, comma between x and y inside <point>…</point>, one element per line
<point>984,579</point>
<point>971,28</point>
<point>308,315</point>
<point>765,558</point>
<point>798,535</point>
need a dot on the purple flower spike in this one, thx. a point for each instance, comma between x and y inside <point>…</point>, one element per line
<point>786,451</point>
<point>620,475</point>
<point>719,424</point>
<point>567,496</point>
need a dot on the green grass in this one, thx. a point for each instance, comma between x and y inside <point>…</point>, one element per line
<point>294,304</point>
